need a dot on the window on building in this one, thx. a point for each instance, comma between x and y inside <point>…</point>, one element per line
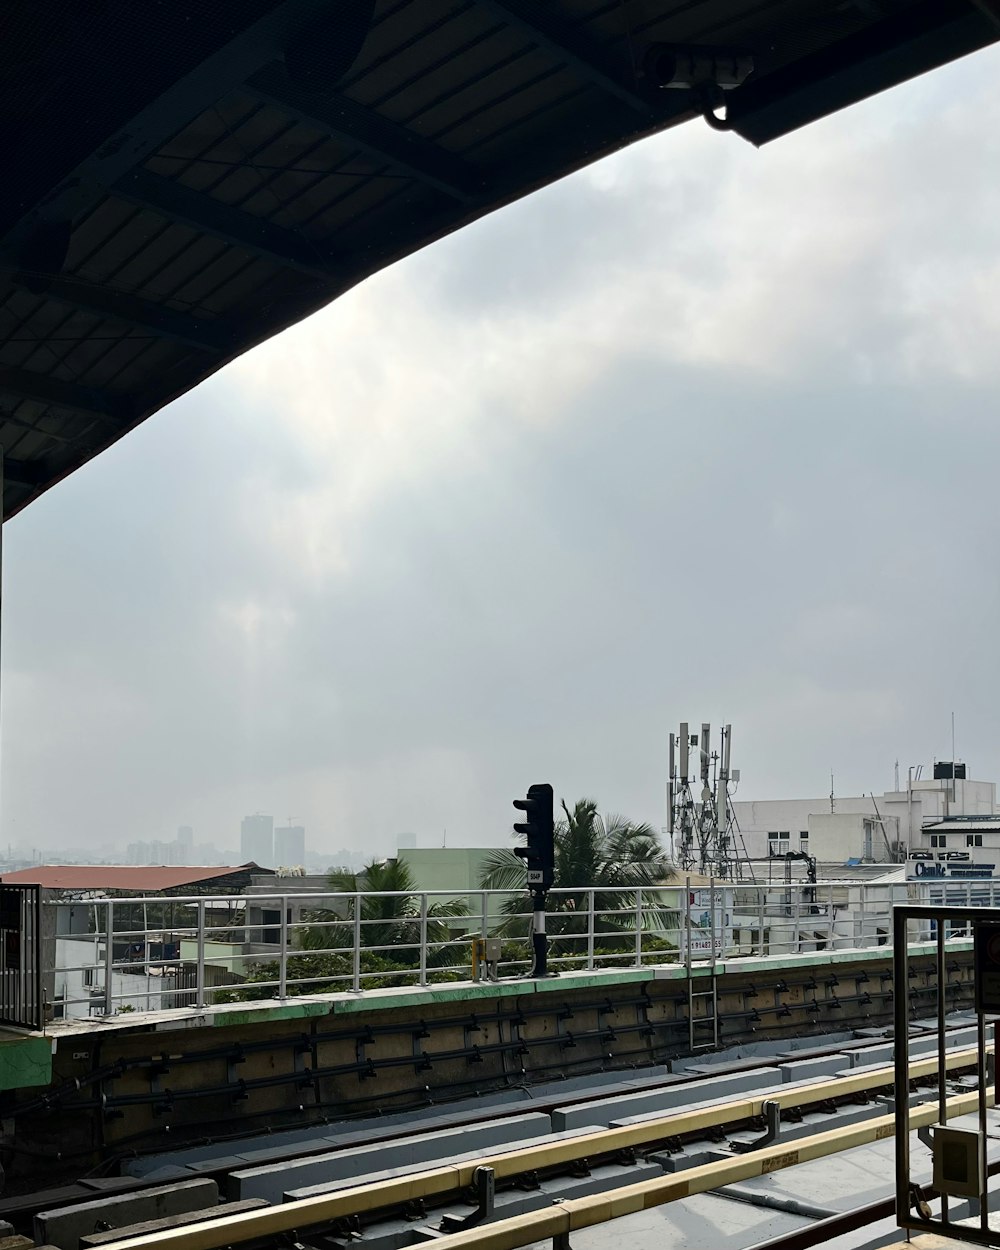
<point>271,926</point>
<point>803,839</point>
<point>271,932</point>
<point>939,839</point>
<point>973,839</point>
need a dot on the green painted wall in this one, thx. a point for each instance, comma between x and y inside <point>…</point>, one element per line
<point>25,1061</point>
<point>455,869</point>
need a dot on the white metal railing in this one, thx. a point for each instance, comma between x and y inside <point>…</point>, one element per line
<point>156,953</point>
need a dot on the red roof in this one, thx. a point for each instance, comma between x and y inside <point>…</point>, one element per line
<point>140,879</point>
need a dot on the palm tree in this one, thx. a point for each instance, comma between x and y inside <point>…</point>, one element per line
<point>390,912</point>
<point>609,854</point>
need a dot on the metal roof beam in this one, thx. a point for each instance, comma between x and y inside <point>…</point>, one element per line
<point>131,310</point>
<point>923,36</point>
<point>370,133</point>
<point>47,390</point>
<point>227,67</point>
<point>24,472</point>
<point>543,25</point>
<point>203,212</point>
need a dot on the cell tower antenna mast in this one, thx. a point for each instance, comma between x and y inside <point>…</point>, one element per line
<point>702,828</point>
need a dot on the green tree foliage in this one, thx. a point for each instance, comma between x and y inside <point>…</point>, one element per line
<point>390,910</point>
<point>390,937</point>
<point>609,854</point>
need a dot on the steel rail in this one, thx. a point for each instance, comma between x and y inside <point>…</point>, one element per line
<point>577,1213</point>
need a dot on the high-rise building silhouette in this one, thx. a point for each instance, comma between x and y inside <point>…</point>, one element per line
<point>289,846</point>
<point>257,840</point>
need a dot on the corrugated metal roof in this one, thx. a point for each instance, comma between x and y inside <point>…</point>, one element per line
<point>965,824</point>
<point>183,180</point>
<point>139,879</point>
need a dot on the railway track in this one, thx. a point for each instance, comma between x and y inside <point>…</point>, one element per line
<point>424,1195</point>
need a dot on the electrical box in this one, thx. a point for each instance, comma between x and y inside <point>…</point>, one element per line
<point>958,1159</point>
<point>485,958</point>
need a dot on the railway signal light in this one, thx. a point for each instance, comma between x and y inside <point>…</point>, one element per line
<point>538,828</point>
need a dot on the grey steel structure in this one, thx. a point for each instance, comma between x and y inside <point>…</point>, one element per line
<point>942,922</point>
<point>183,180</point>
<point>21,991</point>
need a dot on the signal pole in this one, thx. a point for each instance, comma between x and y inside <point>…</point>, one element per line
<point>538,828</point>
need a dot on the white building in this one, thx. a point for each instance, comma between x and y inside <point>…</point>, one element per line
<point>958,848</point>
<point>872,828</point>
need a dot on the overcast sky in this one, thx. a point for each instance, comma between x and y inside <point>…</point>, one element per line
<point>701,433</point>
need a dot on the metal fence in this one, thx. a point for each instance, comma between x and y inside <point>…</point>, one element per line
<point>958,1135</point>
<point>20,973</point>
<point>155,953</point>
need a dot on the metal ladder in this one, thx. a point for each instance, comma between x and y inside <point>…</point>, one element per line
<point>711,998</point>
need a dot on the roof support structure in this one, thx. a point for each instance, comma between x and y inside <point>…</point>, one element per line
<point>63,439</point>
<point>24,472</point>
<point>923,36</point>
<point>132,310</point>
<point>228,67</point>
<point>47,390</point>
<point>370,133</point>
<point>543,25</point>
<point>990,9</point>
<point>202,211</point>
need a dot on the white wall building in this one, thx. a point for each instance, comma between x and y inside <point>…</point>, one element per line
<point>958,848</point>
<point>80,980</point>
<point>880,828</point>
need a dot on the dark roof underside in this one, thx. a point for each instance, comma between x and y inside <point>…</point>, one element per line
<point>183,179</point>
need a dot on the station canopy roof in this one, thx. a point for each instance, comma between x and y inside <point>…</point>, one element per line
<point>183,180</point>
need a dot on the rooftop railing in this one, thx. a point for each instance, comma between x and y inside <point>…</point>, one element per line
<point>153,953</point>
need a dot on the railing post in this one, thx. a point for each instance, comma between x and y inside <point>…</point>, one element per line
<point>864,911</point>
<point>711,914</point>
<point>591,926</point>
<point>283,960</point>
<point>357,944</point>
<point>199,976</point>
<point>484,900</point>
<point>638,927</point>
<point>109,956</point>
<point>760,920</point>
<point>687,925</point>
<point>48,947</point>
<point>423,938</point>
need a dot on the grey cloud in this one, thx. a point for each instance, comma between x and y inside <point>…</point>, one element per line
<point>802,544</point>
